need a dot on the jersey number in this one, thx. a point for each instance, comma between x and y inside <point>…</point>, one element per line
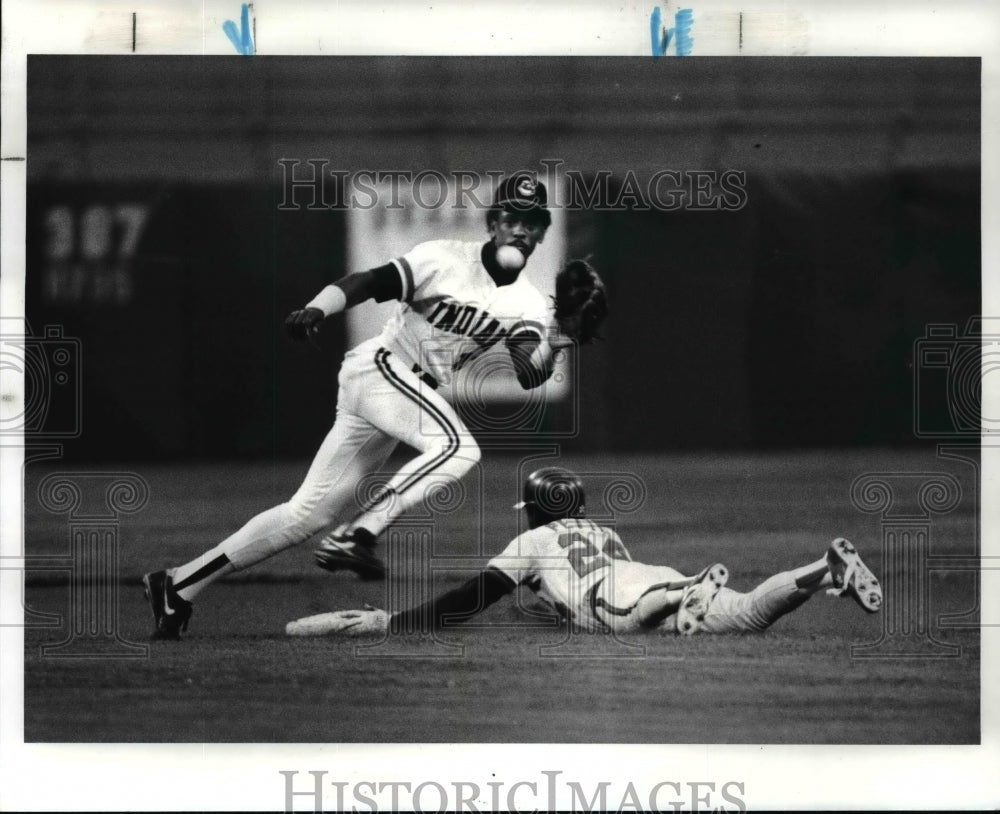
<point>584,556</point>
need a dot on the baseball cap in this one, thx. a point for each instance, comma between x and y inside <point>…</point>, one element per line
<point>520,192</point>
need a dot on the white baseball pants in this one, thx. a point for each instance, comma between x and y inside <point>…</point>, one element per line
<point>381,401</point>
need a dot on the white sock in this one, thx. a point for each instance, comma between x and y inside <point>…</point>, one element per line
<point>813,577</point>
<point>655,606</point>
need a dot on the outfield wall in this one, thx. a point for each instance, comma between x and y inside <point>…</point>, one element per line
<point>156,237</point>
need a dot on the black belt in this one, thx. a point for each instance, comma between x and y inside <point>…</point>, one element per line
<point>425,377</point>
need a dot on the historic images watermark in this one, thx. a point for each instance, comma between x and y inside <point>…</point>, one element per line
<point>314,184</point>
<point>318,790</point>
<point>42,407</point>
<point>94,503</point>
<point>41,379</point>
<point>950,365</point>
<point>907,503</point>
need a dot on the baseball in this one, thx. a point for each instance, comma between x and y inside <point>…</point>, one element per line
<point>510,258</point>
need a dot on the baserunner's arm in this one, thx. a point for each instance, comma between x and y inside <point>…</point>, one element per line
<point>456,605</point>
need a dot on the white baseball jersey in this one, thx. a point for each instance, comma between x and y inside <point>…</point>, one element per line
<point>451,310</point>
<point>582,570</point>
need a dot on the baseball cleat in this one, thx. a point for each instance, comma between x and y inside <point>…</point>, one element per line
<point>170,613</point>
<point>353,551</point>
<point>851,576</point>
<point>698,597</point>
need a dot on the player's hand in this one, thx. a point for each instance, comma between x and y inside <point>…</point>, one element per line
<point>304,324</point>
<point>345,623</point>
<point>363,622</point>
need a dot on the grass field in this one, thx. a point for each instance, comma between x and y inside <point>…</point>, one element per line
<point>237,678</point>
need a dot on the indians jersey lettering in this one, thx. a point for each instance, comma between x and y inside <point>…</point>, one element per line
<point>451,310</point>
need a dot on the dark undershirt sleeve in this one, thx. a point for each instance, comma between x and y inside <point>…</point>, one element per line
<point>381,284</point>
<point>388,285</point>
<point>456,605</point>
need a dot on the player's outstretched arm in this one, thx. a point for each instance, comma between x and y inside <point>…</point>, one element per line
<point>450,607</point>
<point>535,359</point>
<point>529,361</point>
<point>458,604</point>
<point>382,283</point>
<point>581,305</point>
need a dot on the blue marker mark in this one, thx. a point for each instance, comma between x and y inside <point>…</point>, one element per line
<point>660,36</point>
<point>683,20</point>
<point>240,38</point>
<point>655,25</point>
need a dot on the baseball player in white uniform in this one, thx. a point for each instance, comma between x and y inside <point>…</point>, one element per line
<point>584,573</point>
<point>456,300</point>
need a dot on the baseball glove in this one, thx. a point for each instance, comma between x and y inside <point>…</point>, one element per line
<point>581,301</point>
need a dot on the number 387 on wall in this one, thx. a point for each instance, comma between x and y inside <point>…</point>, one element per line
<point>88,252</point>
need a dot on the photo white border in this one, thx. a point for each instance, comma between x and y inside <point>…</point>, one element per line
<point>229,777</point>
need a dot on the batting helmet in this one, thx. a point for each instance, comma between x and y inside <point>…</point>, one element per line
<point>553,493</point>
